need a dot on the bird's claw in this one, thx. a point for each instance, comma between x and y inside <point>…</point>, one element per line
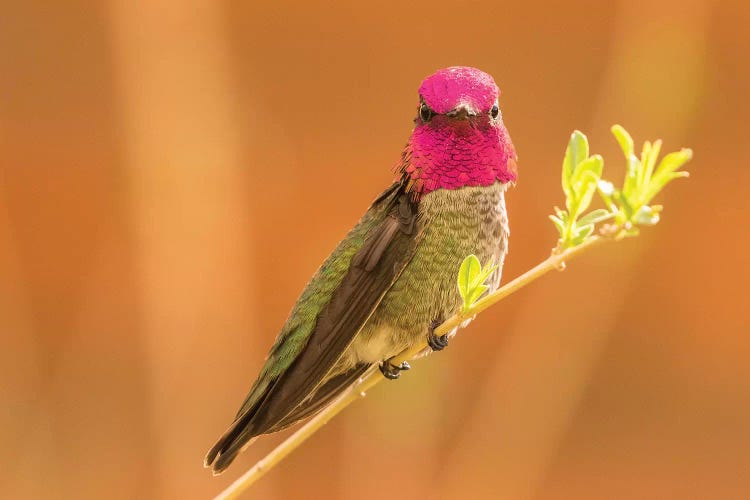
<point>437,342</point>
<point>392,372</point>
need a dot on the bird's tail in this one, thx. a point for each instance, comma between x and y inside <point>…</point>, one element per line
<point>253,421</point>
<point>238,437</point>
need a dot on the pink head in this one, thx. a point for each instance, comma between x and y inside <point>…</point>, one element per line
<point>459,138</point>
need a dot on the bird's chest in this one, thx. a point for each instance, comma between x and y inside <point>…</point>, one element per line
<point>459,223</point>
<point>455,224</point>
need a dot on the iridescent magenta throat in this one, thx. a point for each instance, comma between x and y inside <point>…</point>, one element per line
<point>446,154</point>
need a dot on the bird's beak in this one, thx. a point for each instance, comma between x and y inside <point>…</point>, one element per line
<point>462,112</point>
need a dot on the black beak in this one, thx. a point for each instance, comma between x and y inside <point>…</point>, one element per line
<point>462,112</point>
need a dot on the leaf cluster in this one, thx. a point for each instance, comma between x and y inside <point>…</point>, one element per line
<point>644,179</point>
<point>630,205</point>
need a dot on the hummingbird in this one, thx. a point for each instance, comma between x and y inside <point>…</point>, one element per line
<point>392,280</point>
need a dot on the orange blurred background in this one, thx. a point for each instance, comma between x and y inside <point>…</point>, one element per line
<point>172,173</point>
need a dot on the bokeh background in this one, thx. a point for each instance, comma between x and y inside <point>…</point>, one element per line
<point>171,174</point>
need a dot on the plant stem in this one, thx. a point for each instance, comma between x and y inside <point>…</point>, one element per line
<point>372,376</point>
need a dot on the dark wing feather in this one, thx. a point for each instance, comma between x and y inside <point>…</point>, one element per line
<point>324,395</point>
<point>292,395</point>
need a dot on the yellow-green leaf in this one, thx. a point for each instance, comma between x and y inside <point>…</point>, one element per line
<point>467,273</point>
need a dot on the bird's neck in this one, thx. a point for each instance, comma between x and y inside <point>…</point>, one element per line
<point>451,157</point>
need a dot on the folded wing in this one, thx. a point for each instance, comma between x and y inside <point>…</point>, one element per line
<point>335,305</point>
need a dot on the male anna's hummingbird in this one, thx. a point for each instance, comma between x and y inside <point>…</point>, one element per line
<point>392,280</point>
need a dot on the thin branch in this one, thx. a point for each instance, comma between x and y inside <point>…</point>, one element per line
<point>357,390</point>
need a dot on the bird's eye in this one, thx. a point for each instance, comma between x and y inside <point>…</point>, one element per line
<point>425,113</point>
<point>494,111</point>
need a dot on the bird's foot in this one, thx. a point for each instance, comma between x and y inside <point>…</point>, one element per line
<point>436,342</point>
<point>392,372</point>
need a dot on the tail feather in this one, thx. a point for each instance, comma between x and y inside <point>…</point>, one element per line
<point>253,421</point>
<point>239,436</point>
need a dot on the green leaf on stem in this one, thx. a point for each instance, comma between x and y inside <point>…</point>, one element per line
<point>471,280</point>
<point>576,152</point>
<point>595,217</point>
